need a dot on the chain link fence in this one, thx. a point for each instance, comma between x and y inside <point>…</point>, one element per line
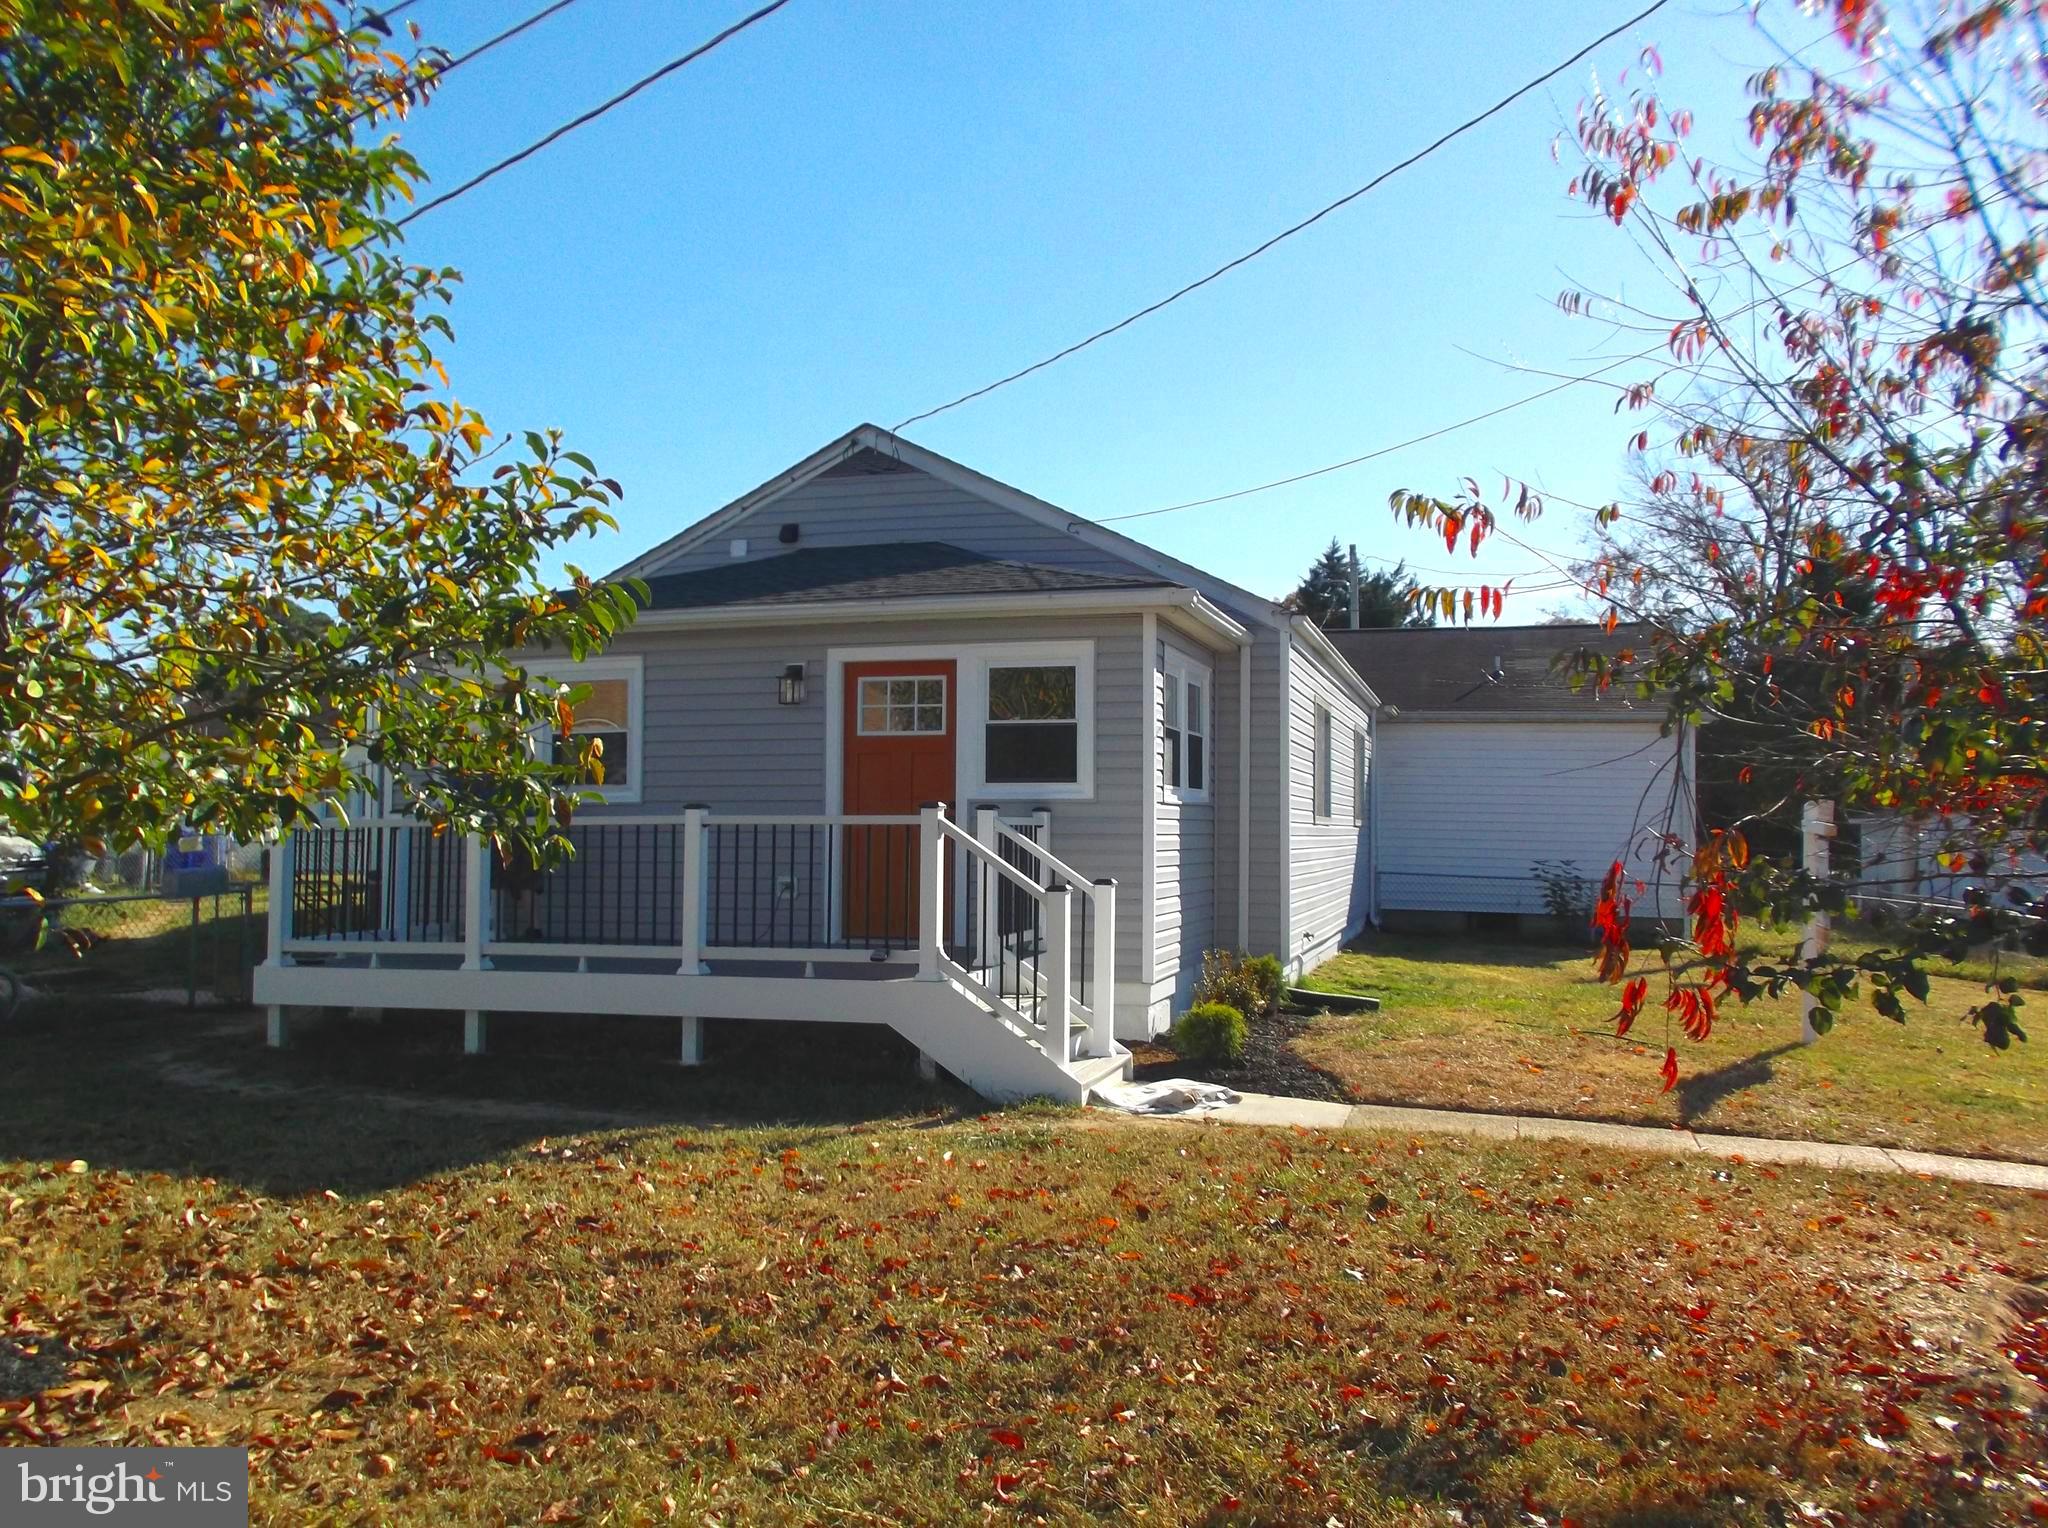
<point>188,949</point>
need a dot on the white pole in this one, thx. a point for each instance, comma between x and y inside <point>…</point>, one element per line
<point>1817,827</point>
<point>696,879</point>
<point>1054,962</point>
<point>1354,586</point>
<point>930,888</point>
<point>1102,1033</point>
<point>987,938</point>
<point>475,900</point>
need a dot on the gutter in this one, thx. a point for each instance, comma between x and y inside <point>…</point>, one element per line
<point>1244,797</point>
<point>1188,604</point>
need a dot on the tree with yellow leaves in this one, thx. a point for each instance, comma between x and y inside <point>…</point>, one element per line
<point>251,550</point>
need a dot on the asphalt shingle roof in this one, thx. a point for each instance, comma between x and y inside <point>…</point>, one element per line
<point>1446,668</point>
<point>886,571</point>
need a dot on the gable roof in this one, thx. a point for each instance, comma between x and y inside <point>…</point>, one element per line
<point>884,571</point>
<point>870,448</point>
<point>1488,670</point>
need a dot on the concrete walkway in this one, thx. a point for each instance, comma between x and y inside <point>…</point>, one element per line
<point>1313,1114</point>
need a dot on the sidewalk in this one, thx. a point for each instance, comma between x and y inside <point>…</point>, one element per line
<point>1313,1114</point>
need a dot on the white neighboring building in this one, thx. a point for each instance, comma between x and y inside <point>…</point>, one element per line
<point>1489,762</point>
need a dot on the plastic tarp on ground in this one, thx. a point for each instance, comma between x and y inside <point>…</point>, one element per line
<point>1176,1095</point>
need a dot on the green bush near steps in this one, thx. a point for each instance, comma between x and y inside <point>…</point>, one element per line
<point>1210,1034</point>
<point>1247,984</point>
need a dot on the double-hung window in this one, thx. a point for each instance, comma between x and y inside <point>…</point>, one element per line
<point>1032,735</point>
<point>1184,711</point>
<point>604,710</point>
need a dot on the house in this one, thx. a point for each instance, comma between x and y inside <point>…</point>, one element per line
<point>1492,766</point>
<point>891,742</point>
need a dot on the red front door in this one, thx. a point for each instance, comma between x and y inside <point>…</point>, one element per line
<point>900,751</point>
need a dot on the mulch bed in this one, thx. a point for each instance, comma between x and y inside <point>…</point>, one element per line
<point>31,1365</point>
<point>1270,1063</point>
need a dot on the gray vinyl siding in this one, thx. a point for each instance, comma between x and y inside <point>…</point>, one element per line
<point>1329,876</point>
<point>716,734</point>
<point>898,506</point>
<point>1184,919</point>
<point>1267,933</point>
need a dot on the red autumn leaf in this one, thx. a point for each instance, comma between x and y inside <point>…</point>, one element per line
<point>1006,1437</point>
<point>1670,1068</point>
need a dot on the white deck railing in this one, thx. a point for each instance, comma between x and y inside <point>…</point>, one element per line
<point>992,909</point>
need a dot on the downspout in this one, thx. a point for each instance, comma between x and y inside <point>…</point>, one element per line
<point>1244,797</point>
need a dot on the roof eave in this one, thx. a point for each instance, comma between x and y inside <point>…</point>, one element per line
<point>1188,602</point>
<point>1339,666</point>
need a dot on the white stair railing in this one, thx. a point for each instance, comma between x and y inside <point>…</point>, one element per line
<point>1097,994</point>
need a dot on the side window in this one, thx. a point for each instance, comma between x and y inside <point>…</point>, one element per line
<point>1184,718</point>
<point>1358,758</point>
<point>1324,764</point>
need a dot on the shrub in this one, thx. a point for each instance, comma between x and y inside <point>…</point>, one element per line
<point>1271,977</point>
<point>1227,977</point>
<point>1210,1033</point>
<point>1567,893</point>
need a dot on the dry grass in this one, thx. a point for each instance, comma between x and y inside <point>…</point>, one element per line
<point>932,1315</point>
<point>1526,1029</point>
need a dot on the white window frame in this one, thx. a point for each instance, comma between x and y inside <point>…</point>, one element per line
<point>1323,782</point>
<point>1181,670</point>
<point>1359,754</point>
<point>973,660</point>
<point>631,668</point>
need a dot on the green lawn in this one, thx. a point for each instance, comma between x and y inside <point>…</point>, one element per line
<point>1485,1024</point>
<point>414,1309</point>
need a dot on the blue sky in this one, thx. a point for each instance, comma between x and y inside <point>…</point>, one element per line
<point>856,211</point>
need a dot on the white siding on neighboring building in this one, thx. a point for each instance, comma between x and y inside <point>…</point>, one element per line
<point>1328,867</point>
<point>1468,807</point>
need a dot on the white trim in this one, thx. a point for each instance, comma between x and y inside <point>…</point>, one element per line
<point>1186,603</point>
<point>972,661</point>
<point>1186,669</point>
<point>1286,697</point>
<point>873,437</point>
<point>1332,661</point>
<point>1244,798</point>
<point>631,668</point>
<point>860,726</point>
<point>1148,795</point>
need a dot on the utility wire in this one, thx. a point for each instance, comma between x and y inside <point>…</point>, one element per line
<point>599,110</point>
<point>478,51</point>
<point>1287,233</point>
<point>1399,445</point>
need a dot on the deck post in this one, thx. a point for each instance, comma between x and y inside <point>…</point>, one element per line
<point>692,1052</point>
<point>476,1031</point>
<point>1055,960</point>
<point>987,933</point>
<point>277,1026</point>
<point>927,1066</point>
<point>278,916</point>
<point>1102,1032</point>
<point>931,888</point>
<point>475,901</point>
<point>696,876</point>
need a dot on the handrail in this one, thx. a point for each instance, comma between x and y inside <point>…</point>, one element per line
<point>989,857</point>
<point>1045,856</point>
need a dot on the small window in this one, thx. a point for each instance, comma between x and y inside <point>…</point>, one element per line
<point>1033,732</point>
<point>902,705</point>
<point>1358,758</point>
<point>606,715</point>
<point>1324,764</point>
<point>1184,722</point>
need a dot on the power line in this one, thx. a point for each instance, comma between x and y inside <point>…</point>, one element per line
<point>1343,201</point>
<point>1400,445</point>
<point>597,111</point>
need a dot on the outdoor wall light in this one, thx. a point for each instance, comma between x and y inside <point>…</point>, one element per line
<point>790,690</point>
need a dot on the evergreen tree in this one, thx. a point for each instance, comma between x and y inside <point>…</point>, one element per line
<point>1324,594</point>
